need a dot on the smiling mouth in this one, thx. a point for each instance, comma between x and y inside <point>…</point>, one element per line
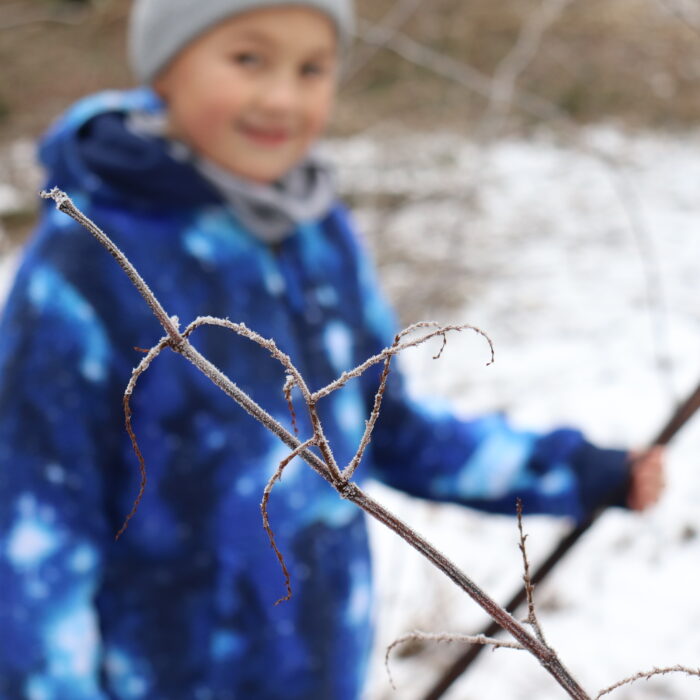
<point>266,137</point>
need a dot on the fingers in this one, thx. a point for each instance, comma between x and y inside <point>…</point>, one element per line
<point>647,480</point>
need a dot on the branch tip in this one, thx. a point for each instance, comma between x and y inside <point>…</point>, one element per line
<point>59,196</point>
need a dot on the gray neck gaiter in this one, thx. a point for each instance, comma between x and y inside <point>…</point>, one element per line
<point>271,212</point>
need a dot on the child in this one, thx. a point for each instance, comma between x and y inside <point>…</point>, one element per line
<point>208,182</point>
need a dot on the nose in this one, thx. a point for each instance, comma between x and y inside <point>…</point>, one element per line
<point>279,94</point>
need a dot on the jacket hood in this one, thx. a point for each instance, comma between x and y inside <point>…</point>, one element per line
<point>91,148</point>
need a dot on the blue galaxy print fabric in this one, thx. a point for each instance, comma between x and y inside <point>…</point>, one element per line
<point>182,607</point>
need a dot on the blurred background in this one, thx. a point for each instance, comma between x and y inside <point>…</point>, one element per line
<point>473,67</point>
<point>532,167</point>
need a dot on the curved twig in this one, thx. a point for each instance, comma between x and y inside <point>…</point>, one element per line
<point>266,343</point>
<point>646,675</point>
<point>446,637</point>
<point>266,520</point>
<point>64,204</point>
<point>395,349</point>
<point>284,359</point>
<point>287,390</point>
<point>126,402</point>
<point>374,415</point>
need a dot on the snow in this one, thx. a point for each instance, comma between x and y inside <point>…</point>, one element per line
<point>584,274</point>
<point>580,261</point>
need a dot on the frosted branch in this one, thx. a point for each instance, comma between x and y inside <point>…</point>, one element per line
<point>446,637</point>
<point>646,675</point>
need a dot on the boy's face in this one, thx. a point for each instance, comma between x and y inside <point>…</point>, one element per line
<point>255,91</point>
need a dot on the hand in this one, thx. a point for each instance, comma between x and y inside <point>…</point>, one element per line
<point>646,477</point>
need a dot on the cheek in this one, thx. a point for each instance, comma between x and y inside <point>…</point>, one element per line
<point>319,113</point>
<point>214,112</point>
<point>203,113</point>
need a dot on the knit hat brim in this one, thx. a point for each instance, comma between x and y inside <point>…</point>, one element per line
<point>159,29</point>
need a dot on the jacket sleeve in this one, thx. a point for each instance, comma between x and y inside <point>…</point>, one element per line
<point>484,463</point>
<point>55,361</point>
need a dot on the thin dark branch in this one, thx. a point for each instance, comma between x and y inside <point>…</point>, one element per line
<point>527,581</point>
<point>126,402</point>
<point>369,427</point>
<point>266,520</point>
<point>287,390</point>
<point>64,204</point>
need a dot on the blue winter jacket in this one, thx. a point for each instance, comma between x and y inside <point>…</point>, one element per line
<point>182,607</point>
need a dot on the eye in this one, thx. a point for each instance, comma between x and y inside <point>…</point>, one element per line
<point>313,69</point>
<point>246,59</point>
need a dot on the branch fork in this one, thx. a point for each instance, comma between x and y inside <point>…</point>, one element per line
<point>325,465</point>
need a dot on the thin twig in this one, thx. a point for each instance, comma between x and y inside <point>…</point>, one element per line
<point>374,415</point>
<point>64,204</point>
<point>447,637</point>
<point>126,402</point>
<point>529,588</point>
<point>287,390</point>
<point>646,675</point>
<point>266,520</point>
<point>394,349</point>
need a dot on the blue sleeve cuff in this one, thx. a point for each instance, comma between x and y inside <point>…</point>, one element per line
<point>603,476</point>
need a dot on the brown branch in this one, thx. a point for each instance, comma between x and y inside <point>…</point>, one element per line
<point>287,390</point>
<point>546,656</point>
<point>266,520</point>
<point>369,426</point>
<point>527,581</point>
<point>64,204</point>
<point>346,489</point>
<point>646,675</point>
<point>449,638</point>
<point>396,348</point>
<point>126,402</point>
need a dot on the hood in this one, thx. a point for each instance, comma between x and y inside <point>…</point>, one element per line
<point>91,148</point>
<point>113,147</point>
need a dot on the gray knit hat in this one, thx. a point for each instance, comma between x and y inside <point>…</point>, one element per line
<point>160,28</point>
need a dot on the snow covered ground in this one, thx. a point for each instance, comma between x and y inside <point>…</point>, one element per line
<point>585,276</point>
